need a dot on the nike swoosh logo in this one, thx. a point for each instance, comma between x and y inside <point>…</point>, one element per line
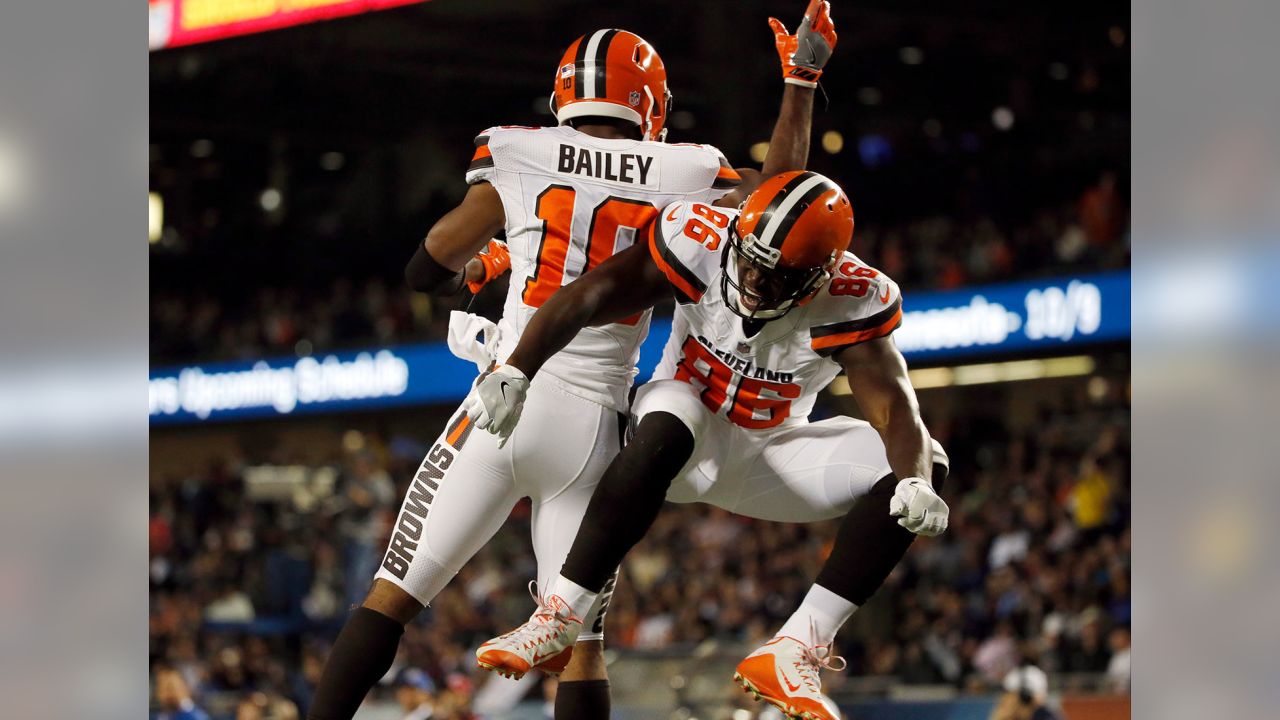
<point>503,388</point>
<point>671,216</point>
<point>885,297</point>
<point>790,687</point>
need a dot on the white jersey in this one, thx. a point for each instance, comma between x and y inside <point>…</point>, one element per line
<point>571,202</point>
<point>772,378</point>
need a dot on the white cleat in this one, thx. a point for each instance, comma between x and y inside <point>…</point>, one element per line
<point>545,641</point>
<point>784,673</point>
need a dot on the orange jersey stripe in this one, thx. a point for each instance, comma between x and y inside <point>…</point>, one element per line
<point>728,173</point>
<point>482,152</point>
<point>852,338</point>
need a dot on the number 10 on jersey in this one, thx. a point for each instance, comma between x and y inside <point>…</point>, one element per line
<point>555,210</point>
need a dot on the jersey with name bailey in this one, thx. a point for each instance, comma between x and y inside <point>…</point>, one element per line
<point>571,202</point>
<point>771,378</point>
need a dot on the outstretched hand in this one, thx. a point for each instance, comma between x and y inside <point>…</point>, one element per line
<point>804,54</point>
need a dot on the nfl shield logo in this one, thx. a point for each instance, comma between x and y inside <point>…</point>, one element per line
<point>634,98</point>
<point>744,349</point>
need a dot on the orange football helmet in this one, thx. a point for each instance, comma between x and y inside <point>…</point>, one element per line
<point>787,239</point>
<point>617,74</point>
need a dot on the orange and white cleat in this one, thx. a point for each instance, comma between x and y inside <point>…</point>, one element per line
<point>544,642</point>
<point>784,673</point>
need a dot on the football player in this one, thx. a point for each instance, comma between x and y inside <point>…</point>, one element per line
<point>569,197</point>
<point>771,306</point>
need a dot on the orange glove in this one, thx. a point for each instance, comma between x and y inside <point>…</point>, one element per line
<point>495,259</point>
<point>804,54</point>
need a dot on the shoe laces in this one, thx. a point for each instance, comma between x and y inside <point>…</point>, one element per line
<point>815,658</point>
<point>552,614</point>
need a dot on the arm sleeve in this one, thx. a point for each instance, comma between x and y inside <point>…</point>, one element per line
<point>426,275</point>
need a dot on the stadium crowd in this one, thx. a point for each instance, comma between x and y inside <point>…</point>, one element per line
<point>1035,566</point>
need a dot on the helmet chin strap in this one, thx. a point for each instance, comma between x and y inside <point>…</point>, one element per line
<point>648,119</point>
<point>734,297</point>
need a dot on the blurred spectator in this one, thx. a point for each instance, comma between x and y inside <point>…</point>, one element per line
<point>261,706</point>
<point>413,693</point>
<point>1119,668</point>
<point>174,697</point>
<point>231,605</point>
<point>369,495</point>
<point>1026,690</point>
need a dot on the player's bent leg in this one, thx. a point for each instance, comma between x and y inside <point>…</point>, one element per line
<point>587,662</point>
<point>583,693</point>
<point>869,544</point>
<point>628,499</point>
<point>361,655</point>
<point>456,502</point>
<point>394,602</point>
<point>621,510</point>
<point>817,472</point>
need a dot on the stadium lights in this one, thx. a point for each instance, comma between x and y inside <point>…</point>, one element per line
<point>759,150</point>
<point>987,373</point>
<point>911,55</point>
<point>832,142</point>
<point>1002,118</point>
<point>270,199</point>
<point>155,217</point>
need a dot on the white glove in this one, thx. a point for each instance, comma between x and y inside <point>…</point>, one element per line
<point>919,508</point>
<point>496,401</point>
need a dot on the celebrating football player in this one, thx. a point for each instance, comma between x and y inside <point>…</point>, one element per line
<point>569,197</point>
<point>771,306</point>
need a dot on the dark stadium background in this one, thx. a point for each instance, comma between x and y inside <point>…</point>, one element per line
<point>980,142</point>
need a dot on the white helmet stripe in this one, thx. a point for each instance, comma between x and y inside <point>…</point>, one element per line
<point>589,77</point>
<point>780,215</point>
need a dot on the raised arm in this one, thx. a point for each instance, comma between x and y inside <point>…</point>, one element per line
<point>803,56</point>
<point>621,286</point>
<point>878,379</point>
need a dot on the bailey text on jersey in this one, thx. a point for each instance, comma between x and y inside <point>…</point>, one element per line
<point>629,168</point>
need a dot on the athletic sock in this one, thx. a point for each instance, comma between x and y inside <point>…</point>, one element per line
<point>579,598</point>
<point>582,700</point>
<point>361,655</point>
<point>818,618</point>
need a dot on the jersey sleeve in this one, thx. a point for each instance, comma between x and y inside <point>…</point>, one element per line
<point>854,309</point>
<point>688,264</point>
<point>721,177</point>
<point>482,168</point>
